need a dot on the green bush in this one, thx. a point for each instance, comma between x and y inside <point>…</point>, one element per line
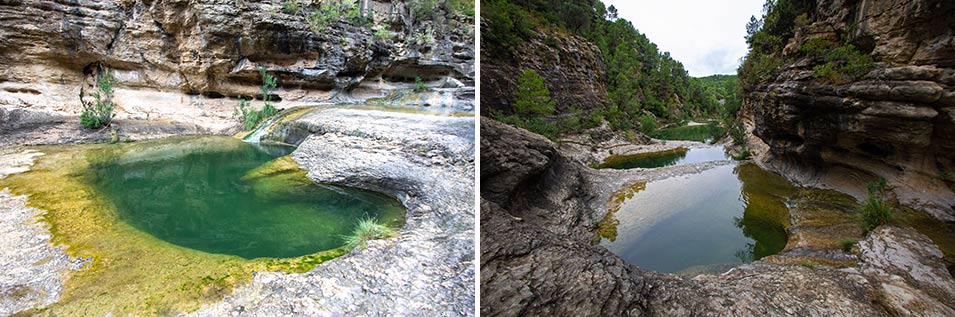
<point>738,133</point>
<point>422,9</point>
<point>847,244</point>
<point>842,63</point>
<point>743,155</point>
<point>290,7</point>
<point>99,112</point>
<point>419,85</point>
<point>247,115</point>
<point>384,34</point>
<point>648,123</point>
<point>367,230</point>
<point>875,210</point>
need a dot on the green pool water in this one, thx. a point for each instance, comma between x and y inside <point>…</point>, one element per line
<point>666,158</point>
<point>726,215</point>
<point>230,197</point>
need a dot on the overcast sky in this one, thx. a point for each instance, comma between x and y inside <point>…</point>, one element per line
<point>705,35</point>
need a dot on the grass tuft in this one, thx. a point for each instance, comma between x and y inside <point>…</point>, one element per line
<point>367,230</point>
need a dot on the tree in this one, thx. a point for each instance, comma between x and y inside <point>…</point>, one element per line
<point>533,98</point>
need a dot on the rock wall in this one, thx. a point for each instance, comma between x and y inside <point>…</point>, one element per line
<point>189,60</point>
<point>896,122</point>
<point>571,66</point>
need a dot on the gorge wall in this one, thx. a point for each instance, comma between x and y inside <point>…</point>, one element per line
<point>896,122</point>
<point>188,61</point>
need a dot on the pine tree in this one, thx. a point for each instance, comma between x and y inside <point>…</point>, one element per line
<point>533,98</point>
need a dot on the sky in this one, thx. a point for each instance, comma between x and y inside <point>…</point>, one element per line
<point>705,35</point>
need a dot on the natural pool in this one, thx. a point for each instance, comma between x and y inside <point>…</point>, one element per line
<point>226,200</point>
<point>143,216</point>
<point>700,133</point>
<point>727,215</point>
<point>675,156</point>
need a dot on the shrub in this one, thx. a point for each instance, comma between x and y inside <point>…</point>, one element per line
<point>422,9</point>
<point>384,34</point>
<point>426,36</point>
<point>743,155</point>
<point>99,112</point>
<point>290,7</point>
<point>247,115</point>
<point>847,244</point>
<point>419,85</point>
<point>875,210</point>
<point>648,123</point>
<point>842,63</point>
<point>738,133</point>
<point>367,230</point>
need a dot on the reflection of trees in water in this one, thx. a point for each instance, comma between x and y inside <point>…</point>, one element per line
<point>765,214</point>
<point>645,160</point>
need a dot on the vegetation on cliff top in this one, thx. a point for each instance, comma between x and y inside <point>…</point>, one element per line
<point>643,83</point>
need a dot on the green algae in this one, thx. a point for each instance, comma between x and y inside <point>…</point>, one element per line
<point>129,271</point>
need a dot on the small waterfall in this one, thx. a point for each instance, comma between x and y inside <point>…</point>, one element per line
<point>269,125</point>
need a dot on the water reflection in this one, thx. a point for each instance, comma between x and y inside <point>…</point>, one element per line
<point>675,156</point>
<point>729,214</point>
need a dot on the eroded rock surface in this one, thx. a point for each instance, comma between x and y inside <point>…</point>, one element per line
<point>537,221</point>
<point>894,122</point>
<point>185,63</point>
<point>427,162</point>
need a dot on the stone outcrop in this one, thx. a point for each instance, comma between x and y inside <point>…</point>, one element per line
<point>188,61</point>
<point>896,122</point>
<point>571,65</point>
<point>538,216</point>
<point>426,162</point>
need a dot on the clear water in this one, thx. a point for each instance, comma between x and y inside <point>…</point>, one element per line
<point>726,215</point>
<point>666,158</point>
<point>199,195</point>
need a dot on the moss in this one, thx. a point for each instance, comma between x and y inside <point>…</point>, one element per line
<point>129,272</point>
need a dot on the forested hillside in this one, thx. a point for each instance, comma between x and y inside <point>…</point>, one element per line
<point>643,84</point>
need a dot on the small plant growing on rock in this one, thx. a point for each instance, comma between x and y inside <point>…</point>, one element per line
<point>875,210</point>
<point>809,264</point>
<point>738,133</point>
<point>419,85</point>
<point>247,114</point>
<point>99,112</point>
<point>367,230</point>
<point>384,34</point>
<point>847,244</point>
<point>290,6</point>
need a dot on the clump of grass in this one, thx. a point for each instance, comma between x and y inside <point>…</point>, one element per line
<point>744,155</point>
<point>98,113</point>
<point>809,264</point>
<point>847,244</point>
<point>247,115</point>
<point>367,230</point>
<point>420,86</point>
<point>875,210</point>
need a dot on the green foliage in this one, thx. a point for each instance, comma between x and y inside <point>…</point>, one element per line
<point>875,210</point>
<point>842,63</point>
<point>756,68</point>
<point>367,230</point>
<point>738,133</point>
<point>533,97</point>
<point>648,123</point>
<point>425,36</point>
<point>384,34</point>
<point>99,112</point>
<point>419,85</point>
<point>465,7</point>
<point>766,37</point>
<point>743,155</point>
<point>809,264</point>
<point>334,11</point>
<point>847,244</point>
<point>290,7</point>
<point>422,9</point>
<point>247,115</point>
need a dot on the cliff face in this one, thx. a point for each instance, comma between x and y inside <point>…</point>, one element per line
<point>897,121</point>
<point>571,66</point>
<point>189,60</point>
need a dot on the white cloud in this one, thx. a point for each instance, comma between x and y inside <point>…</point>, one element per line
<point>706,36</point>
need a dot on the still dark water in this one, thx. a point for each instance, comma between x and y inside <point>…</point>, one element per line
<point>726,215</point>
<point>667,158</point>
<point>202,198</point>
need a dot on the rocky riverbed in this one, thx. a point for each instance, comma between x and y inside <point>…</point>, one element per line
<point>539,212</point>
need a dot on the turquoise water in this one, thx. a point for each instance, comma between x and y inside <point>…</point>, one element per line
<point>666,158</point>
<point>726,215</point>
<point>198,196</point>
